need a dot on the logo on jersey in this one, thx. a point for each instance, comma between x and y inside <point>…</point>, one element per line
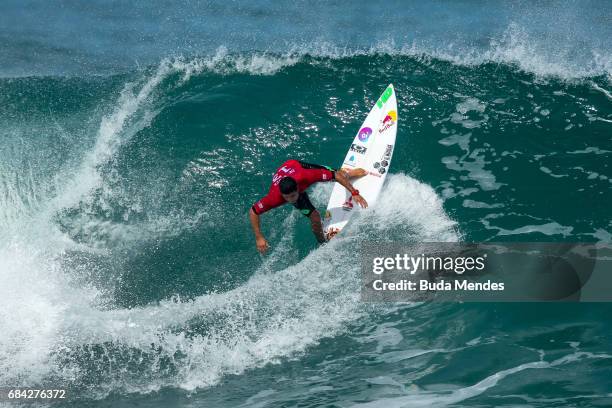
<point>388,121</point>
<point>364,134</point>
<point>278,176</point>
<point>358,148</point>
<point>327,215</point>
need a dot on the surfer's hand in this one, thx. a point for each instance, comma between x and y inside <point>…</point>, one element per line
<point>361,201</point>
<point>262,244</point>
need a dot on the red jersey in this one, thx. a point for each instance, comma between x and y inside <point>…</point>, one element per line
<point>304,175</point>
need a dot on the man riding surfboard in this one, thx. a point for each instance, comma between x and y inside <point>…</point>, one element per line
<point>289,185</point>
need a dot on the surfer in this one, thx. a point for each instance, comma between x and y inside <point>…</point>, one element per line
<point>289,185</point>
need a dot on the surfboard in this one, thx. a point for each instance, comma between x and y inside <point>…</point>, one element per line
<point>372,150</point>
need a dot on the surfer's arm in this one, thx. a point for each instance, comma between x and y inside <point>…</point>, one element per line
<point>267,203</point>
<point>344,182</point>
<point>260,240</point>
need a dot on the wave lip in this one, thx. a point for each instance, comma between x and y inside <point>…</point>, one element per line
<point>516,47</point>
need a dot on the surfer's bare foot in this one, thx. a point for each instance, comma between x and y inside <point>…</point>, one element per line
<point>354,173</point>
<point>331,233</point>
<point>359,172</point>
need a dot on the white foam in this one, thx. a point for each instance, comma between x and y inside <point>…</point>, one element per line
<point>275,314</point>
<point>550,228</point>
<point>408,203</point>
<point>463,141</point>
<point>385,335</point>
<point>223,62</point>
<point>131,114</point>
<point>278,313</point>
<point>602,90</point>
<point>134,110</point>
<point>39,296</point>
<point>36,296</point>
<point>516,46</point>
<point>590,149</point>
<point>479,204</point>
<point>550,173</point>
<point>602,235</point>
<point>474,165</point>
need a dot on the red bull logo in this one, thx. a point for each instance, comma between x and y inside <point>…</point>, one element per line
<point>388,121</point>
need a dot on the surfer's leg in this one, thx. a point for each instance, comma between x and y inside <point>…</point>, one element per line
<point>353,173</point>
<point>317,226</point>
<point>314,166</point>
<point>348,173</point>
<point>305,206</point>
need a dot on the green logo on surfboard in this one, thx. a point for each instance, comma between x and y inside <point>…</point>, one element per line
<point>384,97</point>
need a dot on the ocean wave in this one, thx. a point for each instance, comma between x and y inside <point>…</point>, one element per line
<point>276,314</point>
<point>515,48</point>
<point>430,398</point>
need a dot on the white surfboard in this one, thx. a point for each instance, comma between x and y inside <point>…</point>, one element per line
<point>372,150</point>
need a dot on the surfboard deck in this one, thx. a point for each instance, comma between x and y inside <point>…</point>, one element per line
<point>372,150</point>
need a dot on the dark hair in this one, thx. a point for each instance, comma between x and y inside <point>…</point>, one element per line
<point>287,185</point>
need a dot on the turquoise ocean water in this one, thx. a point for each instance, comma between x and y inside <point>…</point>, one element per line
<point>133,141</point>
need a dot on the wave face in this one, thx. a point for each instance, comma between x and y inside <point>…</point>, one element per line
<point>128,271</point>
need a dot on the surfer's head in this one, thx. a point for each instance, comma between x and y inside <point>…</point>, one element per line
<point>289,189</point>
